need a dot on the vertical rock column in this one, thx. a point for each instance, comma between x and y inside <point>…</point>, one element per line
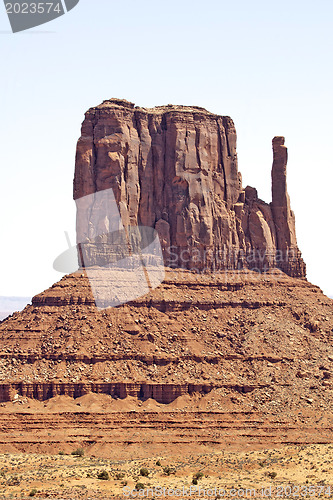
<point>288,256</point>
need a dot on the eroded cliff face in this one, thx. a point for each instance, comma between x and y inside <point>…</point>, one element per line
<point>174,168</point>
<point>241,332</point>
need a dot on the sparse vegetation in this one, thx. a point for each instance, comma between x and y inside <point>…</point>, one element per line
<point>64,476</point>
<point>14,481</point>
<point>79,452</point>
<point>119,475</point>
<point>158,463</point>
<point>104,475</point>
<point>168,470</point>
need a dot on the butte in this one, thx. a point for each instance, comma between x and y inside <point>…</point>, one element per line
<point>234,347</point>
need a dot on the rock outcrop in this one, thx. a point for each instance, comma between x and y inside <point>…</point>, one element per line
<point>241,355</point>
<point>174,168</point>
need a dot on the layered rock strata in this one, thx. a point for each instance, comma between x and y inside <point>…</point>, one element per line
<point>242,333</point>
<point>225,355</point>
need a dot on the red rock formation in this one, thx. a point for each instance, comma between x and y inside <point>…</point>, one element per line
<point>181,335</point>
<point>174,168</point>
<point>255,343</point>
<point>245,354</point>
<point>163,393</point>
<point>284,218</point>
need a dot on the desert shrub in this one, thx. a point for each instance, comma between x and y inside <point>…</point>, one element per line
<point>272,474</point>
<point>158,463</point>
<point>139,486</point>
<point>14,481</point>
<point>144,472</point>
<point>120,475</point>
<point>194,480</point>
<point>168,470</point>
<point>33,492</point>
<point>198,475</point>
<point>104,475</point>
<point>79,452</point>
<point>61,453</point>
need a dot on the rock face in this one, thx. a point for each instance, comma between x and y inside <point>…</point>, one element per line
<point>174,168</point>
<point>284,217</point>
<point>230,355</point>
<point>245,357</point>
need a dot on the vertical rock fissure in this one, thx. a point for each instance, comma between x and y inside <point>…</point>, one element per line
<point>94,157</point>
<point>197,145</point>
<point>164,128</point>
<point>137,128</point>
<point>225,125</point>
<point>220,154</point>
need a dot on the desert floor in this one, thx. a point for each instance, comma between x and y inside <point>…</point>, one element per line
<point>289,471</point>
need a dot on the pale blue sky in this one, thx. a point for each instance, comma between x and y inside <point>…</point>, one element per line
<point>266,64</point>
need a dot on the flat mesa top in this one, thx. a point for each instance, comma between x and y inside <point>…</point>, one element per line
<point>123,103</point>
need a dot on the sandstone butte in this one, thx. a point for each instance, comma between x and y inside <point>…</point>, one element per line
<point>239,353</point>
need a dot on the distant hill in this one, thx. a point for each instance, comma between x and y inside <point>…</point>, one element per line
<point>8,305</point>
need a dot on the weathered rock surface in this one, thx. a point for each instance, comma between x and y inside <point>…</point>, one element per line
<point>174,168</point>
<point>223,355</point>
<point>192,334</point>
<point>245,357</point>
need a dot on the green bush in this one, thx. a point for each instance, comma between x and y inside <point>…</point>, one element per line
<point>104,475</point>
<point>272,474</point>
<point>61,453</point>
<point>33,492</point>
<point>78,453</point>
<point>139,486</point>
<point>144,472</point>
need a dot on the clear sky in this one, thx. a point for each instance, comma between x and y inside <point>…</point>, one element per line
<point>266,64</point>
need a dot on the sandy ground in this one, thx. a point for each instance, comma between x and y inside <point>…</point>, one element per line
<point>289,471</point>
